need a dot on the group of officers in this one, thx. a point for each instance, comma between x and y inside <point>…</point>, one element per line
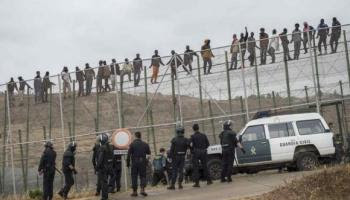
<point>108,165</point>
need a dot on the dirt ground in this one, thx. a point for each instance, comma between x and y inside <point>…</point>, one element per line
<point>241,187</point>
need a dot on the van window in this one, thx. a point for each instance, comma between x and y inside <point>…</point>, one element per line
<point>253,133</point>
<point>308,127</point>
<point>281,130</point>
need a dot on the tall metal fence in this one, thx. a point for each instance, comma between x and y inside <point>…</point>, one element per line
<point>308,84</point>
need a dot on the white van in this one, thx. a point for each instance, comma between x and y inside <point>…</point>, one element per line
<point>296,141</point>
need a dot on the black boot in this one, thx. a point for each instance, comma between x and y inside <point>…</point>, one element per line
<point>134,193</point>
<point>209,182</point>
<point>180,186</point>
<point>196,185</point>
<point>171,187</point>
<point>143,193</point>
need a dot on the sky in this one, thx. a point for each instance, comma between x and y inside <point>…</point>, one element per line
<point>47,35</point>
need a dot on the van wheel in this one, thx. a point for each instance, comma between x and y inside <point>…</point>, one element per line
<point>214,168</point>
<point>307,161</point>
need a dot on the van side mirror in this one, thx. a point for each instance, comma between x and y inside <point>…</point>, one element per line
<point>240,139</point>
<point>327,130</point>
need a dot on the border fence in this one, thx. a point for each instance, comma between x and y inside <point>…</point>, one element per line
<point>313,83</point>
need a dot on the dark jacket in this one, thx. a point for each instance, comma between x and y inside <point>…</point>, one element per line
<point>179,146</point>
<point>95,151</point>
<point>284,39</point>
<point>137,63</point>
<point>156,61</point>
<point>11,86</point>
<point>264,40</point>
<point>23,84</point>
<point>322,30</point>
<point>199,141</point>
<point>79,75</point>
<point>137,151</point>
<point>336,28</point>
<point>228,140</point>
<point>68,159</point>
<point>105,159</point>
<point>47,161</point>
<point>188,56</point>
<point>243,41</point>
<point>178,59</point>
<point>38,83</point>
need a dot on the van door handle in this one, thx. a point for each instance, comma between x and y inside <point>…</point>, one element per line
<point>263,142</point>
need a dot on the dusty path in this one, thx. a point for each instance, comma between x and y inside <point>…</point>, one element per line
<point>242,186</point>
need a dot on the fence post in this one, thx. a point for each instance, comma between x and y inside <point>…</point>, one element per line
<point>244,84</point>
<point>70,131</point>
<point>50,112</point>
<point>313,73</point>
<point>174,100</point>
<point>44,133</point>
<point>274,100</point>
<point>200,92</point>
<point>73,112</point>
<point>306,94</point>
<point>287,82</point>
<point>257,81</point>
<point>319,92</point>
<point>27,135</point>
<point>61,111</point>
<point>22,160</point>
<point>121,110</point>
<point>97,120</point>
<point>146,103</point>
<point>242,111</point>
<point>4,144</point>
<point>212,121</point>
<point>344,116</point>
<point>228,82</point>
<point>347,55</point>
<point>12,147</point>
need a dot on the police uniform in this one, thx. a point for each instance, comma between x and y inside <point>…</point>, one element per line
<point>95,151</point>
<point>114,181</point>
<point>178,149</point>
<point>137,155</point>
<point>68,160</point>
<point>228,142</point>
<point>104,166</point>
<point>47,166</point>
<point>199,145</point>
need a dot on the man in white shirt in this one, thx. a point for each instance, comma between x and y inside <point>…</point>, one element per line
<point>126,69</point>
<point>66,82</point>
<point>274,45</point>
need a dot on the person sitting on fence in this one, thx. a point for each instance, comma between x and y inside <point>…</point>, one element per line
<point>155,64</point>
<point>66,82</point>
<point>176,61</point>
<point>188,57</point>
<point>335,35</point>
<point>89,77</point>
<point>47,84</point>
<point>79,75</point>
<point>207,54</point>
<point>106,76</point>
<point>22,86</point>
<point>38,87</point>
<point>127,68</point>
<point>11,87</point>
<point>137,65</point>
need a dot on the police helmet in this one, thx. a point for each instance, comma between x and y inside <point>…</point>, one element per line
<point>104,138</point>
<point>180,130</point>
<point>72,146</point>
<point>227,124</point>
<point>48,144</point>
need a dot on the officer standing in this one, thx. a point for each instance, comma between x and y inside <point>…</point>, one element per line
<point>178,149</point>
<point>199,145</point>
<point>104,164</point>
<point>114,181</point>
<point>228,143</point>
<point>47,167</point>
<point>137,153</point>
<point>68,168</point>
<point>95,150</point>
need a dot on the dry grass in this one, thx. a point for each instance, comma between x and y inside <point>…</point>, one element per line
<point>330,183</point>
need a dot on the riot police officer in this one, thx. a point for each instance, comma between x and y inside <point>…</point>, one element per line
<point>228,143</point>
<point>199,144</point>
<point>104,164</point>
<point>95,150</point>
<point>114,181</point>
<point>68,168</point>
<point>178,149</point>
<point>137,154</point>
<point>47,167</point>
